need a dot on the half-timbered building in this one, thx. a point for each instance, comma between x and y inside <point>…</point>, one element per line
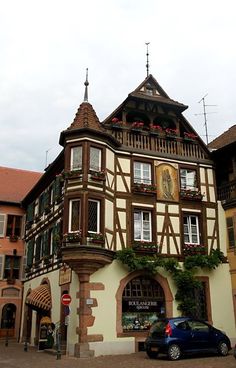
<point>141,179</point>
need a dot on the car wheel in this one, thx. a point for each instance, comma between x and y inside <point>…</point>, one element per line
<point>174,352</point>
<point>152,354</point>
<point>223,348</point>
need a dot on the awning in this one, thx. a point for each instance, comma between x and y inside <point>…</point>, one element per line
<point>40,297</point>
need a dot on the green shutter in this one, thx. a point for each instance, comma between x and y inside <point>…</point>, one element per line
<point>30,253</point>
<point>46,250</point>
<point>57,189</point>
<point>56,239</point>
<point>30,212</point>
<point>46,199</point>
<point>38,248</point>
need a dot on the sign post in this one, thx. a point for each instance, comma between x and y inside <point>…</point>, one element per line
<point>66,299</point>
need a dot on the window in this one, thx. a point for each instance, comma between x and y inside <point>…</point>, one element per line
<point>188,179</point>
<point>231,232</point>
<point>12,267</point>
<point>2,222</point>
<point>142,172</point>
<point>200,297</point>
<point>74,215</point>
<point>13,225</point>
<point>191,229</point>
<point>142,225</point>
<point>93,216</point>
<point>143,301</point>
<point>76,158</point>
<point>95,159</point>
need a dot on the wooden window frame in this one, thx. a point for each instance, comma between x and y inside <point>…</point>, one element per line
<point>198,217</point>
<point>150,211</point>
<point>98,201</point>
<point>71,200</point>
<point>72,167</point>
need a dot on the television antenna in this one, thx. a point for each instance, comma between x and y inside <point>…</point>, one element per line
<point>205,113</point>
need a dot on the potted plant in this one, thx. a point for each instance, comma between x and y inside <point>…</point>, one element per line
<point>137,126</point>
<point>156,129</point>
<point>116,123</point>
<point>189,136</point>
<point>171,133</point>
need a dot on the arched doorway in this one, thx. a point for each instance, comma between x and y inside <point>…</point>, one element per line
<point>8,319</point>
<point>143,302</point>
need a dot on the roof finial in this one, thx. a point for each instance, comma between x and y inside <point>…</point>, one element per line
<point>86,83</point>
<point>147,54</point>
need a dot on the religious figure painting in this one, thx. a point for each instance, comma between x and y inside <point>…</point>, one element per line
<point>167,182</point>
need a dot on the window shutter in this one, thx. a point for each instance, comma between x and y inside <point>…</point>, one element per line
<point>23,265</point>
<point>56,237</point>
<point>30,212</point>
<point>56,188</point>
<point>46,250</point>
<point>38,248</point>
<point>30,253</point>
<point>46,199</point>
<point>1,266</point>
<point>2,223</point>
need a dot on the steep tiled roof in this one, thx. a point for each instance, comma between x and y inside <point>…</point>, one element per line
<point>86,118</point>
<point>224,139</point>
<point>16,183</point>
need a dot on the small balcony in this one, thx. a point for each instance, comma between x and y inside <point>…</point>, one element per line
<point>227,194</point>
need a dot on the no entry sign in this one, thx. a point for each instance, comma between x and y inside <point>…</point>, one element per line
<point>66,299</point>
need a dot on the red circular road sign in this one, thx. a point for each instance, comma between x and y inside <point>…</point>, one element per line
<point>66,299</point>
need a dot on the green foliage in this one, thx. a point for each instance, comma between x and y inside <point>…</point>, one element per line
<point>184,278</point>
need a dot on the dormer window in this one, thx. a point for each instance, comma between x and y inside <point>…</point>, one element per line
<point>76,158</point>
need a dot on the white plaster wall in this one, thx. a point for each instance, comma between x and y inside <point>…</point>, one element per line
<point>72,337</point>
<point>110,160</point>
<point>125,164</point>
<point>109,214</point>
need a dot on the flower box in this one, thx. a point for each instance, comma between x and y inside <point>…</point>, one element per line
<point>145,247</point>
<point>96,238</point>
<point>116,123</point>
<point>144,188</point>
<point>192,195</point>
<point>74,237</point>
<point>194,249</point>
<point>189,136</point>
<point>73,173</point>
<point>97,175</point>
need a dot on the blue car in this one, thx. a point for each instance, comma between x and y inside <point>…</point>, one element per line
<point>178,336</point>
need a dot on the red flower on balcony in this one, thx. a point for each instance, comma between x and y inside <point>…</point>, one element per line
<point>190,136</point>
<point>137,125</point>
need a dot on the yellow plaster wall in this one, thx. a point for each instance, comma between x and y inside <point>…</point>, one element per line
<point>110,160</point>
<point>109,214</point>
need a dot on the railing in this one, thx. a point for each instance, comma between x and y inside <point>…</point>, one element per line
<point>148,142</point>
<point>227,192</point>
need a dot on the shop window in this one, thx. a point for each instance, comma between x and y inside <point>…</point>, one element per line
<point>143,302</point>
<point>95,159</point>
<point>231,232</point>
<point>93,216</point>
<point>188,179</point>
<point>14,226</point>
<point>11,267</point>
<point>74,215</point>
<point>142,225</point>
<point>191,229</point>
<point>76,158</point>
<point>142,172</point>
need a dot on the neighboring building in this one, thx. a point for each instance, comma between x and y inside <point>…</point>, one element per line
<point>14,185</point>
<point>142,179</point>
<point>224,155</point>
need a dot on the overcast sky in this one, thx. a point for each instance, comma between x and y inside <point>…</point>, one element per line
<point>46,46</point>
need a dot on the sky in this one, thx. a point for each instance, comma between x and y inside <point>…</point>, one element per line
<point>46,46</point>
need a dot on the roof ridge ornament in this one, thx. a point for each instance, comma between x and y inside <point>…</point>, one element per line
<point>86,83</point>
<point>147,54</point>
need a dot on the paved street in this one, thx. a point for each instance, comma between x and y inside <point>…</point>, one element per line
<point>14,356</point>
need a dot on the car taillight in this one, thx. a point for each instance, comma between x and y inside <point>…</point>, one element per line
<point>168,330</point>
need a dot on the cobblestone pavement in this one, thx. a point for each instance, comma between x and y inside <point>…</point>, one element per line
<point>14,356</point>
